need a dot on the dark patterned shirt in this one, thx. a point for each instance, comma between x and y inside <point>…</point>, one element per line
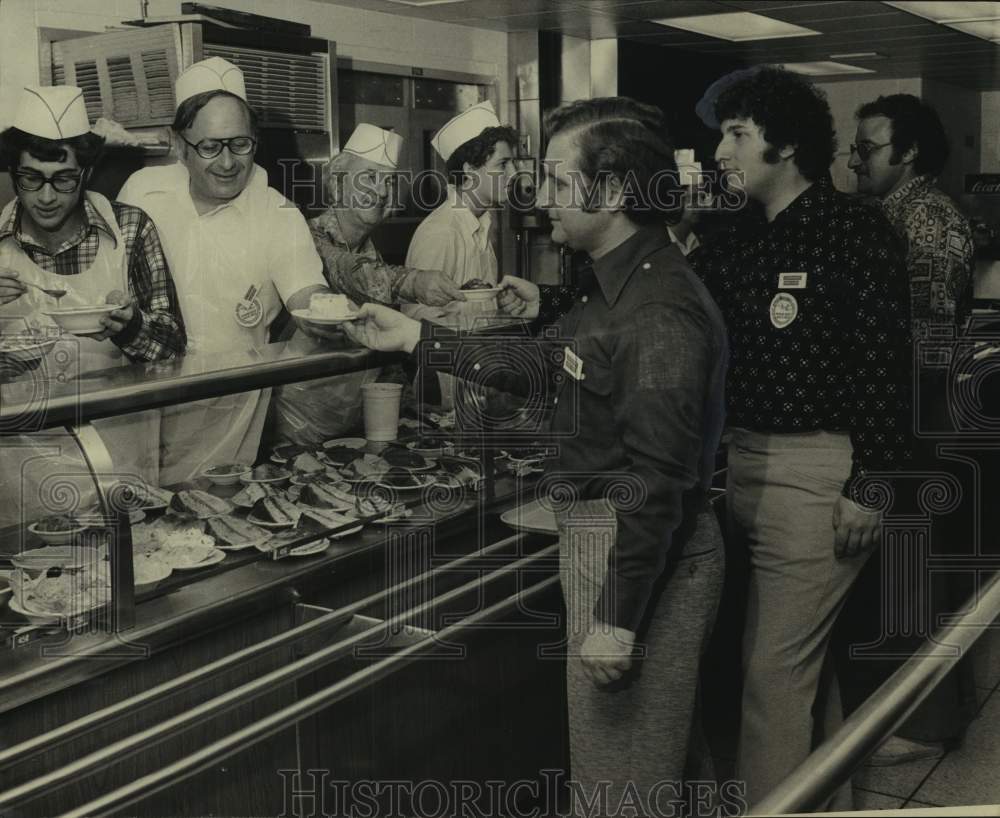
<point>156,330</point>
<point>817,307</point>
<point>939,251</point>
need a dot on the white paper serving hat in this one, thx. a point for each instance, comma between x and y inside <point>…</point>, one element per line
<point>52,112</point>
<point>375,144</point>
<point>460,129</point>
<point>213,74</point>
<point>688,169</point>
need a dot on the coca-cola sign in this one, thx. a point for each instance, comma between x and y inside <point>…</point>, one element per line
<point>985,184</point>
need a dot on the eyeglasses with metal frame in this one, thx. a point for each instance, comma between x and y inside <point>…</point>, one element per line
<point>866,149</point>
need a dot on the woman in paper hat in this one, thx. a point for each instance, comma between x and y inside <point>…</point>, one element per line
<point>359,183</point>
<point>59,236</point>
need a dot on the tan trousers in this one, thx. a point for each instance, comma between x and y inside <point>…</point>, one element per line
<point>780,497</point>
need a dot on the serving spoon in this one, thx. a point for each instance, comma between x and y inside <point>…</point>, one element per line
<point>56,294</point>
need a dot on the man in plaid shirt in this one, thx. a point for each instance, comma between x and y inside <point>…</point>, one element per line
<point>59,227</point>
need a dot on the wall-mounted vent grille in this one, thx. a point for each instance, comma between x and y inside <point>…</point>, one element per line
<point>127,76</point>
<point>286,90</point>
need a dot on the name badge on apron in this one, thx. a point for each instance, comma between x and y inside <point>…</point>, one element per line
<point>573,364</point>
<point>249,311</point>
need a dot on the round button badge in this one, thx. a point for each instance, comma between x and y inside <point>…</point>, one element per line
<point>784,309</point>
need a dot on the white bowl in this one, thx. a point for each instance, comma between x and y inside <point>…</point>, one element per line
<point>231,474</point>
<point>485,294</point>
<point>56,537</point>
<point>82,320</point>
<point>66,557</point>
<point>153,578</point>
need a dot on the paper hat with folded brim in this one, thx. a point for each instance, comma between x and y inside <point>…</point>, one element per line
<point>52,112</point>
<point>376,145</point>
<point>213,74</point>
<point>460,129</point>
<point>688,169</point>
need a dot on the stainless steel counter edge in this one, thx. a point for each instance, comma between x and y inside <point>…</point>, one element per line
<point>43,403</point>
<point>205,605</point>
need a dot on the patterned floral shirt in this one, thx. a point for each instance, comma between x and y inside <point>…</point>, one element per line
<point>357,272</point>
<point>817,307</point>
<point>939,252</point>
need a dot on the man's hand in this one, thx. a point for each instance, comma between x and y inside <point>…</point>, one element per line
<point>11,287</point>
<point>519,298</point>
<point>606,653</point>
<point>431,287</point>
<point>856,530</point>
<point>382,328</point>
<point>115,321</point>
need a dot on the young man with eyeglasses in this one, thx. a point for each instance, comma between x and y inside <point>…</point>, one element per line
<point>58,235</point>
<point>238,249</point>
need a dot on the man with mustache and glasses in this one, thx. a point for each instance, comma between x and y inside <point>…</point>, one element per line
<point>900,148</point>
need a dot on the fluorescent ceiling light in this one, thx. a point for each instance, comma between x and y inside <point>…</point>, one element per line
<point>421,3</point>
<point>987,29</point>
<point>859,55</point>
<point>737,26</point>
<point>824,68</point>
<point>951,11</point>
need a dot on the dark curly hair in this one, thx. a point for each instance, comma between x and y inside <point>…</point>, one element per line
<point>789,110</point>
<point>189,108</point>
<point>915,124</point>
<point>628,140</point>
<point>87,148</point>
<point>478,150</point>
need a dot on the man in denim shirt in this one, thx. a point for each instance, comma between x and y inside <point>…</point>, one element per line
<point>636,388</point>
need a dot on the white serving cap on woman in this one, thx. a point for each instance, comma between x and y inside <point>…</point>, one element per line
<point>376,145</point>
<point>213,74</point>
<point>52,112</point>
<point>460,129</point>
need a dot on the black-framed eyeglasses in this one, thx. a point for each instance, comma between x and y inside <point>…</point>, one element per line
<point>210,148</point>
<point>29,181</point>
<point>866,149</point>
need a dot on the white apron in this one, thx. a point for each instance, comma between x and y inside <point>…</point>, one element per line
<point>213,286</point>
<point>131,440</point>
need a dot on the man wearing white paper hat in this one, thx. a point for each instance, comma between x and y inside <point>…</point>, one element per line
<point>478,152</point>
<point>360,182</point>
<point>238,249</point>
<point>682,231</point>
<point>60,236</point>
<point>455,238</point>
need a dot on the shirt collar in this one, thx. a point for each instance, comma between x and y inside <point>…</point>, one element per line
<point>92,220</point>
<point>477,229</point>
<point>179,183</point>
<point>614,269</point>
<point>898,198</point>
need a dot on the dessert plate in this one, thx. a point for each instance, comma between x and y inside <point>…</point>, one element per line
<point>308,315</point>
